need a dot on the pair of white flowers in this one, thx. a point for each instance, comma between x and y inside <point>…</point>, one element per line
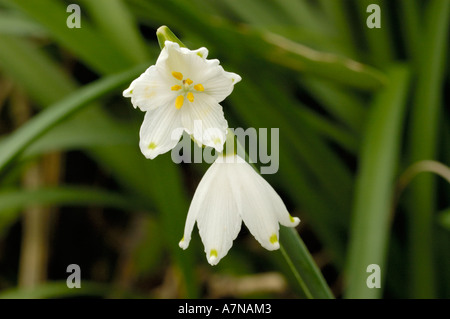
<point>184,87</point>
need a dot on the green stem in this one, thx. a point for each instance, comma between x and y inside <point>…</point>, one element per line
<point>374,188</point>
<point>423,143</point>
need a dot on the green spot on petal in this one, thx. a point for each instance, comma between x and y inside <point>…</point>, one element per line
<point>151,146</point>
<point>273,239</point>
<point>213,253</point>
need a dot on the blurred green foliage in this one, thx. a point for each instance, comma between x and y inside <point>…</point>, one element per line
<point>356,108</point>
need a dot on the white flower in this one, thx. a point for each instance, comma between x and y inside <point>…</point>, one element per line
<point>230,192</point>
<point>182,87</point>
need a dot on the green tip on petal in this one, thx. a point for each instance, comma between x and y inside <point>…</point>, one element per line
<point>151,146</point>
<point>165,34</point>
<point>273,239</point>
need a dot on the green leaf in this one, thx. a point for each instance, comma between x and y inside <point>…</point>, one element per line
<point>426,111</point>
<point>116,23</point>
<point>56,289</point>
<point>302,265</point>
<point>38,125</point>
<point>65,195</point>
<point>34,70</point>
<point>300,58</point>
<point>369,233</point>
<point>86,42</point>
<point>18,25</point>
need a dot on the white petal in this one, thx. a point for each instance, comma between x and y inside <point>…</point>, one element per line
<point>254,205</point>
<point>160,131</point>
<point>187,62</point>
<point>216,212</point>
<point>279,208</point>
<point>217,82</point>
<point>205,121</point>
<point>150,90</point>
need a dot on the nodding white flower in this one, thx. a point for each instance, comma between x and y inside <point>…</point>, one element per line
<point>182,87</point>
<point>230,192</point>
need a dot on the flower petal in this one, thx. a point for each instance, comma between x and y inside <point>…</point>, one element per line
<point>150,90</point>
<point>279,208</point>
<point>189,63</point>
<point>216,212</point>
<point>254,205</point>
<point>217,82</point>
<point>204,120</point>
<point>160,131</point>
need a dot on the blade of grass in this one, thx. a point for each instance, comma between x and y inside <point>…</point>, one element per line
<point>85,42</point>
<point>369,233</point>
<point>303,266</point>
<point>298,57</point>
<point>65,195</point>
<point>56,289</point>
<point>114,20</point>
<point>412,32</point>
<point>336,11</point>
<point>18,25</point>
<point>423,143</point>
<point>34,70</point>
<point>379,40</point>
<point>339,103</point>
<point>37,126</point>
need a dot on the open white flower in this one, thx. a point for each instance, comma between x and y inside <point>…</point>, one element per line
<point>230,192</point>
<point>182,87</point>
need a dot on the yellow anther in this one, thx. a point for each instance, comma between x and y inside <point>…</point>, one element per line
<point>179,101</point>
<point>199,87</point>
<point>177,75</point>
<point>176,87</point>
<point>188,81</point>
<point>273,239</point>
<point>190,97</point>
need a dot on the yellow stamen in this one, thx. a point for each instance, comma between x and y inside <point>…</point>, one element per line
<point>199,87</point>
<point>273,239</point>
<point>151,146</point>
<point>188,81</point>
<point>190,97</point>
<point>213,253</point>
<point>176,87</point>
<point>179,101</point>
<point>177,75</point>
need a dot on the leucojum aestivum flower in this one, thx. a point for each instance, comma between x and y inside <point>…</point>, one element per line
<point>184,88</point>
<point>181,88</point>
